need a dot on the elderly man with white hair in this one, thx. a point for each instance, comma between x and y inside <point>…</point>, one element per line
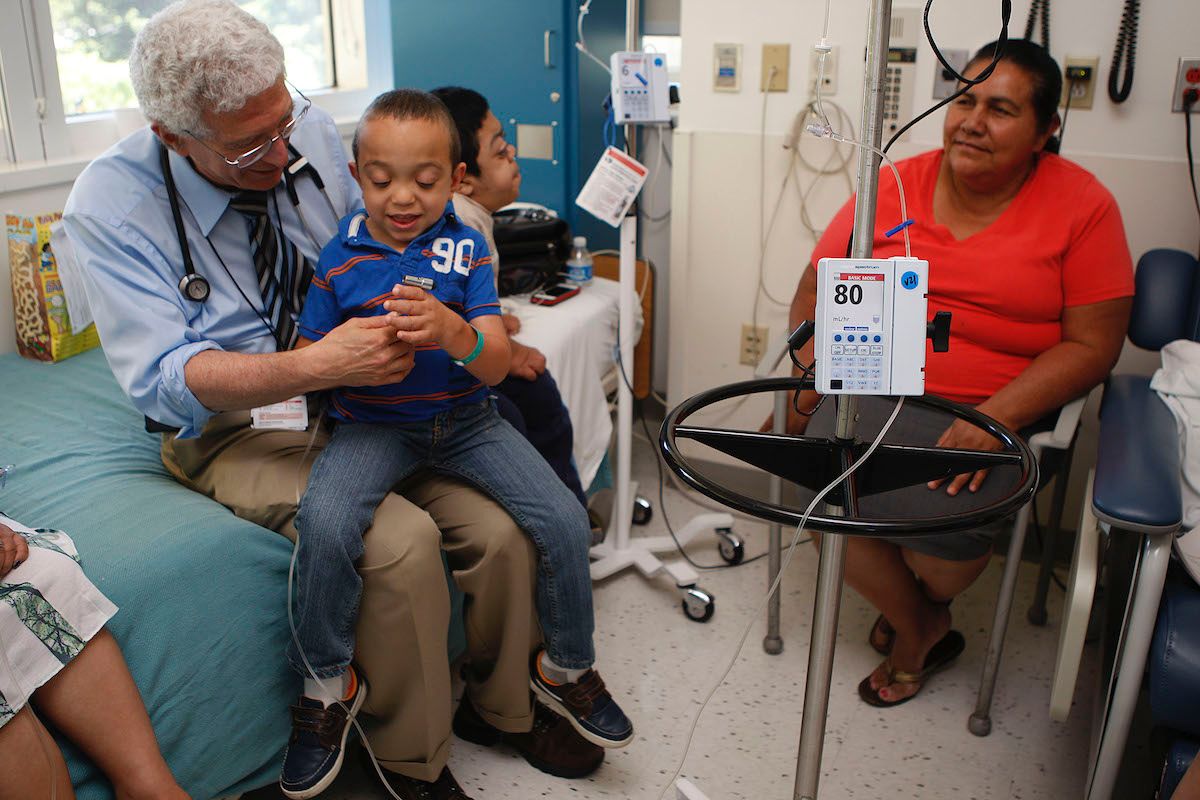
<point>197,237</point>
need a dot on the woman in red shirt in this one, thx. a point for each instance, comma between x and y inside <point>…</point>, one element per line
<point>1028,252</point>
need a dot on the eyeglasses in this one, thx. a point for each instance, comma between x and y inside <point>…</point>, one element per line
<point>255,154</point>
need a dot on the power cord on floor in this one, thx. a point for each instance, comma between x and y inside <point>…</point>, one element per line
<point>787,558</point>
<point>662,505</point>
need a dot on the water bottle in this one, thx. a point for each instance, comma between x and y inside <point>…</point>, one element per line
<point>579,263</point>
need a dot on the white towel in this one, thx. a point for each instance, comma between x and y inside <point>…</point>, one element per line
<point>1178,384</point>
<point>78,307</point>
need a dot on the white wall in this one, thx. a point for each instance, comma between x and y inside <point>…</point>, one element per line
<point>1136,149</point>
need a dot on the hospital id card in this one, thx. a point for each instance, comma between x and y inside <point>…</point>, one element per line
<point>612,187</point>
<point>290,415</point>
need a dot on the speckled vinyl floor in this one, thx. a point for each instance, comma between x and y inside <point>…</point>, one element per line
<point>661,666</point>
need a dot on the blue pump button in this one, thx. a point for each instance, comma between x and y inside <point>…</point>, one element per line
<point>837,337</point>
<point>879,338</point>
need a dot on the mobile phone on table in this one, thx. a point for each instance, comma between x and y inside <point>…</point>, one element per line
<point>553,295</point>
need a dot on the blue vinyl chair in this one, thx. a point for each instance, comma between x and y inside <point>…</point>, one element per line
<point>1135,492</point>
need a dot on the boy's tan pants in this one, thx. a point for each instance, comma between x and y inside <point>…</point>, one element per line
<point>404,615</point>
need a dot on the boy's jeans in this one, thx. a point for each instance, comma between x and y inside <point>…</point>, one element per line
<point>364,461</point>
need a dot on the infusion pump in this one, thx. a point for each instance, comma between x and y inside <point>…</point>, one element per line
<point>871,326</point>
<point>641,88</point>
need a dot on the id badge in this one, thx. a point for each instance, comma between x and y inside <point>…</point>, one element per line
<point>290,415</point>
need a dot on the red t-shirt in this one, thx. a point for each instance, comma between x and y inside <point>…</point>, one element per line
<point>1059,243</point>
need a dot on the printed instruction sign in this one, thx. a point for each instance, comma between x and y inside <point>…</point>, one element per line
<point>612,187</point>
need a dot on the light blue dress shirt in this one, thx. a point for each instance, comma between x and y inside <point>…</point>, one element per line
<point>119,222</point>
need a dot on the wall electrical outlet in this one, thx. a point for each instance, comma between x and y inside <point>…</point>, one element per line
<point>775,56</point>
<point>753,346</point>
<point>1079,78</point>
<point>829,79</point>
<point>1186,77</point>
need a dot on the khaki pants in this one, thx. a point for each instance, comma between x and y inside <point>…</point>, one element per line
<point>405,610</point>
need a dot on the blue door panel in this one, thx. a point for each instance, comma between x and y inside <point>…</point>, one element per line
<point>514,53</point>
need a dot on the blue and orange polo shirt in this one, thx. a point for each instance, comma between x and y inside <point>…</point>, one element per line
<point>355,275</point>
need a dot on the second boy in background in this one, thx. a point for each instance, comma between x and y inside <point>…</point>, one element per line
<point>408,256</point>
<point>528,397</point>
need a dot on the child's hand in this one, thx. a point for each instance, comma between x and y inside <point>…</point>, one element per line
<point>420,318</point>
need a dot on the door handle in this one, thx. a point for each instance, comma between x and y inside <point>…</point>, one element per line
<point>546,56</point>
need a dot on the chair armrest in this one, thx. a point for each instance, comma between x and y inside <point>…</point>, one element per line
<point>1137,459</point>
<point>1068,422</point>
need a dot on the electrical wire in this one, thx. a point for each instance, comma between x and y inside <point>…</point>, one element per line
<point>662,505</point>
<point>1001,41</point>
<point>1188,102</point>
<point>775,586</point>
<point>655,172</point>
<point>301,481</point>
<point>1062,127</point>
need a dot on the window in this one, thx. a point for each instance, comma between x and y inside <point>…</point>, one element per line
<point>92,40</point>
<point>66,94</point>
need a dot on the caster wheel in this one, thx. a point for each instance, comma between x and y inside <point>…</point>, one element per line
<point>730,546</point>
<point>1037,616</point>
<point>642,510</point>
<point>698,605</point>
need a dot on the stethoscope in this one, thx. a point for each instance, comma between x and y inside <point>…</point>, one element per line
<point>195,286</point>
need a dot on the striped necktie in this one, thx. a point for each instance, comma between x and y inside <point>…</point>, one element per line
<point>283,271</point>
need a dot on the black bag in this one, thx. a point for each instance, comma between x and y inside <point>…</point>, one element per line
<point>533,248</point>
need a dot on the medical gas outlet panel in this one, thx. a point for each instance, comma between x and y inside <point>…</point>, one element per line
<point>871,326</point>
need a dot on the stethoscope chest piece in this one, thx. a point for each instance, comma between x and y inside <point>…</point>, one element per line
<point>194,287</point>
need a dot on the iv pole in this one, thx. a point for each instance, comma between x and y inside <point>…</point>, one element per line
<point>832,565</point>
<point>619,551</point>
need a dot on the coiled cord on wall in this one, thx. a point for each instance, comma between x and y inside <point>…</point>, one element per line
<point>1123,55</point>
<point>1042,8</point>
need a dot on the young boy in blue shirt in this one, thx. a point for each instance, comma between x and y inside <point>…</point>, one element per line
<point>407,256</point>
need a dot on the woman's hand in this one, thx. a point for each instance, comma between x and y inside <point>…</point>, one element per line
<point>14,550</point>
<point>963,435</point>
